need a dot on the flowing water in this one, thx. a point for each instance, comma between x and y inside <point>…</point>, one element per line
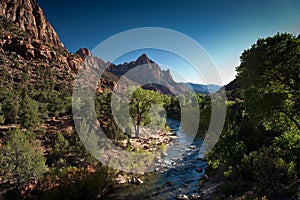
<point>179,176</point>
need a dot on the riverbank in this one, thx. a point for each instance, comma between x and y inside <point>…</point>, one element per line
<point>153,142</point>
<point>210,186</point>
<point>177,175</point>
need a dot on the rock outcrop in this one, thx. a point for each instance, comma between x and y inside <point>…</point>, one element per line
<point>26,33</point>
<point>27,15</point>
<point>147,73</point>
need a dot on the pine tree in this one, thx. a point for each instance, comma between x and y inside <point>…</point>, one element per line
<point>29,113</point>
<point>21,158</point>
<point>1,116</point>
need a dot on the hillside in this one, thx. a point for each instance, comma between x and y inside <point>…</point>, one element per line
<point>29,17</point>
<point>202,89</point>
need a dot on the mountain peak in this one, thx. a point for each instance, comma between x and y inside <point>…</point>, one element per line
<point>83,52</point>
<point>28,15</point>
<point>143,59</point>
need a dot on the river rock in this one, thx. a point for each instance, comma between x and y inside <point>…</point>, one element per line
<point>135,180</point>
<point>182,197</point>
<point>165,154</point>
<point>163,165</point>
<point>139,181</point>
<point>167,162</point>
<point>121,180</point>
<point>195,196</point>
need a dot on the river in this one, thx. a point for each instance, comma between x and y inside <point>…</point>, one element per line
<point>179,177</point>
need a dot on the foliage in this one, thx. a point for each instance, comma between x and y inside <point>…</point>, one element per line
<point>89,137</point>
<point>77,183</point>
<point>2,118</point>
<point>21,158</point>
<point>61,145</point>
<point>10,106</point>
<point>259,146</point>
<point>269,74</point>
<point>173,108</point>
<point>141,103</point>
<point>29,117</point>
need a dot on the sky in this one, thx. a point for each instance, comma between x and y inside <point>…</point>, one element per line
<point>224,28</point>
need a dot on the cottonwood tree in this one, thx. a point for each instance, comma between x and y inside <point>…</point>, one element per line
<point>141,103</point>
<point>269,74</point>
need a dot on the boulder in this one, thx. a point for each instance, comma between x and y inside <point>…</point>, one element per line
<point>182,197</point>
<point>135,180</point>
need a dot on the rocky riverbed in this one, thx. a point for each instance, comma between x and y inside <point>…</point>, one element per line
<point>176,175</point>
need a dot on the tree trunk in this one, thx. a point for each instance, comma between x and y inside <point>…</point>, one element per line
<point>137,131</point>
<point>138,123</point>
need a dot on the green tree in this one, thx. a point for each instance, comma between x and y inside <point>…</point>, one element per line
<point>29,113</point>
<point>260,141</point>
<point>21,158</point>
<point>89,138</point>
<point>61,145</point>
<point>2,119</point>
<point>141,103</point>
<point>269,74</point>
<point>11,106</point>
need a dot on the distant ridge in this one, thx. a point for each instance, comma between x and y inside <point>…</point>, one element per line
<point>201,88</point>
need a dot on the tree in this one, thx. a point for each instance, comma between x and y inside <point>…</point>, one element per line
<point>261,138</point>
<point>11,105</point>
<point>89,138</point>
<point>269,74</point>
<point>29,113</point>
<point>1,116</point>
<point>140,105</point>
<point>21,158</point>
<point>61,145</point>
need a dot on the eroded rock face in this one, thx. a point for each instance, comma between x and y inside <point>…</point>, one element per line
<point>29,17</point>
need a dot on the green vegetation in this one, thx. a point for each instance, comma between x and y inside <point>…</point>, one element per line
<point>258,149</point>
<point>21,159</point>
<point>141,103</point>
<point>260,145</point>
<point>29,113</point>
<point>40,153</point>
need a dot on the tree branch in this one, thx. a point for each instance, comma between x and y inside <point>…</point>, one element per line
<point>291,118</point>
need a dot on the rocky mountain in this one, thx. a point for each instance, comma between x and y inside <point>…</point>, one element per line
<point>29,45</point>
<point>27,15</point>
<point>23,56</point>
<point>108,80</point>
<point>146,72</point>
<point>26,33</point>
<point>28,39</point>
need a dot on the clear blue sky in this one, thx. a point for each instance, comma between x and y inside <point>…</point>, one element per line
<point>223,27</point>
